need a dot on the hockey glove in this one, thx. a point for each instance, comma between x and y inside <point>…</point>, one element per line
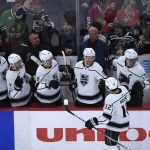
<point>91,123</point>
<point>73,85</point>
<point>54,84</point>
<point>62,68</point>
<point>122,78</point>
<point>67,69</point>
<point>18,83</point>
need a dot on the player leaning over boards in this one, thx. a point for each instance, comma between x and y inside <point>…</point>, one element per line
<point>19,90</point>
<point>47,79</point>
<point>115,115</point>
<point>128,67</point>
<point>90,80</point>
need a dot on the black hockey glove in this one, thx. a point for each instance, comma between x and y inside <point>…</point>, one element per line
<point>54,84</point>
<point>67,71</point>
<point>101,87</point>
<point>18,83</point>
<point>122,78</point>
<point>73,85</point>
<point>91,123</point>
<point>62,68</point>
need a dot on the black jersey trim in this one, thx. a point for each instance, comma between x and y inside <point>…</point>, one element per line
<point>89,97</point>
<point>21,99</point>
<point>117,125</point>
<point>107,116</point>
<point>3,93</point>
<point>48,97</point>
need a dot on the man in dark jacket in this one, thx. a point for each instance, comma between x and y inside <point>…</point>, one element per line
<point>100,48</point>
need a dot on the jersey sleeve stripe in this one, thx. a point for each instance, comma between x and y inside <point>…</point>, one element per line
<point>113,124</point>
<point>107,116</point>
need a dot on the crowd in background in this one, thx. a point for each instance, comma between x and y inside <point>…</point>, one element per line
<point>109,30</point>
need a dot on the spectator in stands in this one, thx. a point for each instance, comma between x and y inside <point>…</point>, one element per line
<point>13,25</point>
<point>99,27</point>
<point>102,12</point>
<point>120,39</point>
<point>144,43</point>
<point>14,17</point>
<point>100,48</point>
<point>67,37</point>
<point>145,17</point>
<point>4,48</point>
<point>129,15</point>
<point>49,35</point>
<point>33,47</point>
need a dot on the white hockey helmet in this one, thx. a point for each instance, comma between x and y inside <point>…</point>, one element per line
<point>131,54</point>
<point>89,52</point>
<point>45,55</point>
<point>111,83</point>
<point>14,58</point>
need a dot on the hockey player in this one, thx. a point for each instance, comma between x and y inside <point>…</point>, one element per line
<point>89,75</point>
<point>19,91</point>
<point>47,79</point>
<point>129,68</point>
<point>3,87</point>
<point>115,115</point>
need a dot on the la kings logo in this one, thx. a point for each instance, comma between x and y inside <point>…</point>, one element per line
<point>84,79</point>
<point>55,77</point>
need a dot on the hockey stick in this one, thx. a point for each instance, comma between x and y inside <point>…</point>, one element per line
<point>68,74</point>
<point>36,60</point>
<point>66,104</point>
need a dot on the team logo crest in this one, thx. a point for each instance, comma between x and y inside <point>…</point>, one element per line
<point>84,79</point>
<point>55,77</point>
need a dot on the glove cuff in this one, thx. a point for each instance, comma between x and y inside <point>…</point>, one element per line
<point>17,88</point>
<point>94,121</point>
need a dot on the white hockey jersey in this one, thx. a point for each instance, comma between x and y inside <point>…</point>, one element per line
<point>43,78</point>
<point>3,86</point>
<point>136,73</point>
<point>87,81</point>
<point>115,114</point>
<point>18,97</point>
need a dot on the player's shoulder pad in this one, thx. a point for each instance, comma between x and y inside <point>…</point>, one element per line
<point>3,60</point>
<point>97,66</point>
<point>124,88</point>
<point>54,62</point>
<point>121,58</point>
<point>79,64</point>
<point>140,68</point>
<point>109,99</point>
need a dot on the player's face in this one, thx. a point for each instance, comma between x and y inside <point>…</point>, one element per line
<point>16,66</point>
<point>131,62</point>
<point>88,60</point>
<point>47,63</point>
